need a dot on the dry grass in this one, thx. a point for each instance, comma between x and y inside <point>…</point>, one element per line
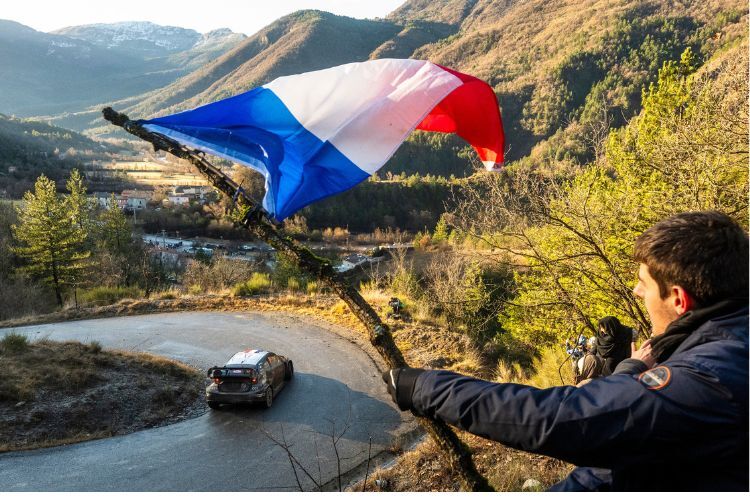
<point>66,392</point>
<point>44,366</point>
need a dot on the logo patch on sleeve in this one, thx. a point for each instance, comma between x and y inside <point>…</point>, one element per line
<point>656,378</point>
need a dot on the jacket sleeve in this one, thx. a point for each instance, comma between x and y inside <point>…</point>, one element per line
<point>601,424</point>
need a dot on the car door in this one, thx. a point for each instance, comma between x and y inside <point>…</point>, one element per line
<point>277,367</point>
<point>265,373</point>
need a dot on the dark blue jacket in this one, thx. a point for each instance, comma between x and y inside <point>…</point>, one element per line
<point>681,426</point>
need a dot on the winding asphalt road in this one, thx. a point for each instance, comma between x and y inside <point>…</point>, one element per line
<point>336,387</point>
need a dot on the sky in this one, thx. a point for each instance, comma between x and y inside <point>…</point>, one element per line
<point>242,16</point>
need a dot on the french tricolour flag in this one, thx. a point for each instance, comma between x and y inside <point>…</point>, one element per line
<point>316,134</point>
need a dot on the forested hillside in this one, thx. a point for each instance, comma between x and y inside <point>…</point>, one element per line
<point>29,148</point>
<point>559,68</point>
<point>685,151</point>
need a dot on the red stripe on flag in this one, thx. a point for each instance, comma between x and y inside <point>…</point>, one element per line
<point>472,112</point>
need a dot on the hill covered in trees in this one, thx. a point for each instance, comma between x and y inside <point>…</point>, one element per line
<point>564,71</point>
<point>29,148</point>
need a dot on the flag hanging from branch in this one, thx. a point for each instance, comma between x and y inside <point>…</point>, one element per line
<point>320,133</point>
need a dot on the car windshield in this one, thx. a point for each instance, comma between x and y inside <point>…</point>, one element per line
<point>245,358</point>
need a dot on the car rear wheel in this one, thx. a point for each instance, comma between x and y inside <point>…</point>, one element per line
<point>289,371</point>
<point>269,398</point>
<point>214,405</point>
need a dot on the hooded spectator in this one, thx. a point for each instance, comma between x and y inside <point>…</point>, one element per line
<point>613,343</point>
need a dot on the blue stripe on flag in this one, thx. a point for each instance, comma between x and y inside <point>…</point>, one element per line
<point>256,129</point>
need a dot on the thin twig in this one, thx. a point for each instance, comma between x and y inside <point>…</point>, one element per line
<point>291,456</point>
<point>367,469</point>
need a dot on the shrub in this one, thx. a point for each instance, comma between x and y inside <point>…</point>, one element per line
<point>422,239</point>
<point>312,287</point>
<point>441,233</point>
<point>258,283</point>
<point>406,282</point>
<point>549,367</point>
<point>297,226</point>
<point>293,284</point>
<point>14,343</point>
<point>105,295</point>
<point>220,274</point>
<point>552,368</point>
<point>285,271</point>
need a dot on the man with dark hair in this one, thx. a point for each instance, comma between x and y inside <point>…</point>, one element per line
<point>674,417</point>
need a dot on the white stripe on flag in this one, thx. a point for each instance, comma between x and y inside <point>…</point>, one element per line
<point>365,109</point>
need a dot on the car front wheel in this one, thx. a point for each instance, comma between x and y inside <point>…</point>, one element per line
<point>269,398</point>
<point>214,405</point>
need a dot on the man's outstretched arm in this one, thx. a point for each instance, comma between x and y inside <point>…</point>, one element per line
<point>596,425</point>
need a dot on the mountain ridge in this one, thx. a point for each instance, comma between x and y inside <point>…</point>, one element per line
<point>557,67</point>
<point>51,73</point>
<point>143,36</point>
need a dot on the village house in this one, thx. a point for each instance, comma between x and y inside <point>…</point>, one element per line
<point>127,200</point>
<point>193,192</point>
<point>103,199</point>
<point>178,199</point>
<point>135,199</point>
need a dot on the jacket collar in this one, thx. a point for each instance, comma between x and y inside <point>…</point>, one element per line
<point>664,345</point>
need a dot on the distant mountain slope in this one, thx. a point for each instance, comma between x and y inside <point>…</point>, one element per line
<point>303,41</point>
<point>45,73</point>
<point>142,39</point>
<point>162,46</point>
<point>206,49</point>
<point>41,72</point>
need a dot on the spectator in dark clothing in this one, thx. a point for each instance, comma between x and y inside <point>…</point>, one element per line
<point>396,305</point>
<point>673,417</point>
<point>613,343</point>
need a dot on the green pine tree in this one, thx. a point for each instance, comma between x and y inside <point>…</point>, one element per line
<point>115,229</point>
<point>79,204</point>
<point>51,240</point>
<point>442,231</point>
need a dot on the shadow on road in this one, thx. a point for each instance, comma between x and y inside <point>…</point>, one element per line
<point>321,405</point>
